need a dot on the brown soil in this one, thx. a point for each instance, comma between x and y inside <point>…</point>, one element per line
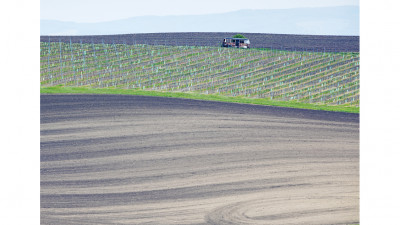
<point>109,159</point>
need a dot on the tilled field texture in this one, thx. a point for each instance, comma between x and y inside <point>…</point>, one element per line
<point>309,77</point>
<point>290,42</point>
<point>111,159</point>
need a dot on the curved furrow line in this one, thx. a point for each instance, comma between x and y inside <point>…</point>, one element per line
<point>147,160</point>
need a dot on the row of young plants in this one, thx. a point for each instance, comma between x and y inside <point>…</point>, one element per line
<point>330,78</point>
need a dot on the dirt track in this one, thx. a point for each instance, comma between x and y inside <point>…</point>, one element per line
<point>108,159</point>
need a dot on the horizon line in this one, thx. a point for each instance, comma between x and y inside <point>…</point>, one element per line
<point>106,21</point>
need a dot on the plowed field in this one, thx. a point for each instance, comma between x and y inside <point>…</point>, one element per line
<point>110,159</point>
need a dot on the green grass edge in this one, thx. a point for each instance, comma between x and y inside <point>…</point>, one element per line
<point>212,97</point>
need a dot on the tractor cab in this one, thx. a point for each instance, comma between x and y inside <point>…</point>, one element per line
<point>236,42</point>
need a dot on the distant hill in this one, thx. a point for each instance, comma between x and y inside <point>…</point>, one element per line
<point>342,20</point>
<point>320,43</point>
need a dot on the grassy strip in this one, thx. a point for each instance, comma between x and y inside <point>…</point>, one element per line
<point>259,101</point>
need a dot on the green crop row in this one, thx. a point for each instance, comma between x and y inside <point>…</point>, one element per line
<point>331,78</point>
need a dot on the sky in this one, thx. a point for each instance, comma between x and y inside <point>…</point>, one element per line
<point>92,11</point>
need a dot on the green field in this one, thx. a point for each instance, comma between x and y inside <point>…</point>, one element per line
<point>325,81</point>
<point>211,97</point>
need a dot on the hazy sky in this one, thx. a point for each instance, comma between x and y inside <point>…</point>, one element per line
<point>108,10</point>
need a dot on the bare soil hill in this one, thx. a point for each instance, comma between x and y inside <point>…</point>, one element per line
<point>111,159</point>
<point>320,43</point>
